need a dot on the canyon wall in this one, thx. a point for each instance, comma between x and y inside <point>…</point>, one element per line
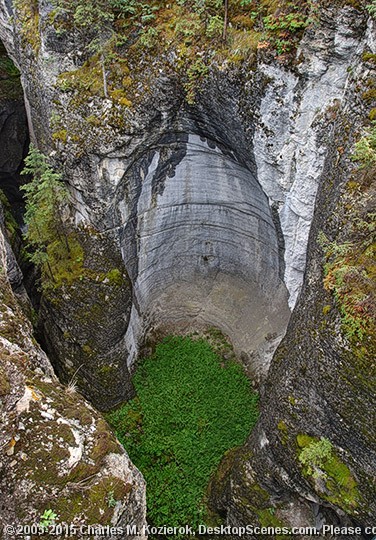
<point>172,187</point>
<point>58,453</point>
<point>319,384</point>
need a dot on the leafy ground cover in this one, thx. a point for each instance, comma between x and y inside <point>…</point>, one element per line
<point>191,406</point>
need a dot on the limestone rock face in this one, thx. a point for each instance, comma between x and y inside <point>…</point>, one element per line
<point>14,273</point>
<point>57,453</point>
<point>296,117</point>
<point>176,191</point>
<point>318,385</point>
<point>145,173</point>
<point>211,207</point>
<point>206,246</point>
<point>13,147</point>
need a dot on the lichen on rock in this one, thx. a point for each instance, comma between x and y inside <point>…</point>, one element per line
<point>57,452</point>
<point>84,316</point>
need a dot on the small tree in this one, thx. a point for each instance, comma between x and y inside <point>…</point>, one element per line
<point>365,149</point>
<point>225,22</point>
<point>97,17</point>
<point>93,18</point>
<point>45,196</point>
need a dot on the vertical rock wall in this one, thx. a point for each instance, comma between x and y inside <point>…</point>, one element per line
<point>57,452</point>
<point>206,248</point>
<point>321,380</point>
<point>137,184</point>
<point>295,124</point>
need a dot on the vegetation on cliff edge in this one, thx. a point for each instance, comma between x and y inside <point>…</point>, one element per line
<point>128,40</point>
<point>350,268</point>
<point>45,197</point>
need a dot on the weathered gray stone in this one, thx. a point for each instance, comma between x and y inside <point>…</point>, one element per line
<point>206,249</point>
<point>14,273</point>
<point>318,384</point>
<point>154,194</point>
<point>57,452</point>
<point>84,323</point>
<point>295,122</point>
<point>211,229</point>
<point>13,145</point>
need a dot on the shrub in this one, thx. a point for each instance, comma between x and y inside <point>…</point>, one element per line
<point>371,8</point>
<point>365,148</point>
<point>321,461</point>
<point>349,266</point>
<point>215,27</point>
<point>315,454</point>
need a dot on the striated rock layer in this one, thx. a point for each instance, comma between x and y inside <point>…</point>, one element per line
<point>322,378</point>
<point>175,192</point>
<point>295,124</point>
<point>206,247</point>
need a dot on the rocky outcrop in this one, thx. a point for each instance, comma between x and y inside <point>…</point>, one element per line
<point>14,141</point>
<point>174,187</point>
<point>206,250</point>
<point>295,123</point>
<point>8,223</point>
<point>14,137</point>
<point>13,148</point>
<point>269,128</point>
<point>84,318</point>
<point>57,452</point>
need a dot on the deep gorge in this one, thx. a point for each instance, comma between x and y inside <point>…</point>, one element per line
<point>212,203</point>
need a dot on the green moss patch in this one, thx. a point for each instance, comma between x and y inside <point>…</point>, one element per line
<point>320,462</point>
<point>11,224</point>
<point>191,406</point>
<point>93,501</point>
<point>283,430</point>
<point>10,84</point>
<point>4,382</point>
<point>68,264</point>
<point>28,14</point>
<point>349,266</point>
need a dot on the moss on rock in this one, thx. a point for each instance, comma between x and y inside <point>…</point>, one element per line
<point>85,314</point>
<point>336,482</point>
<point>4,382</point>
<point>58,452</point>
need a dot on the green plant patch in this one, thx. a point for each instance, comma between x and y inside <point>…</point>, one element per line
<point>10,84</point>
<point>28,15</point>
<point>191,406</point>
<point>349,266</point>
<point>11,224</point>
<point>320,461</point>
<point>182,36</point>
